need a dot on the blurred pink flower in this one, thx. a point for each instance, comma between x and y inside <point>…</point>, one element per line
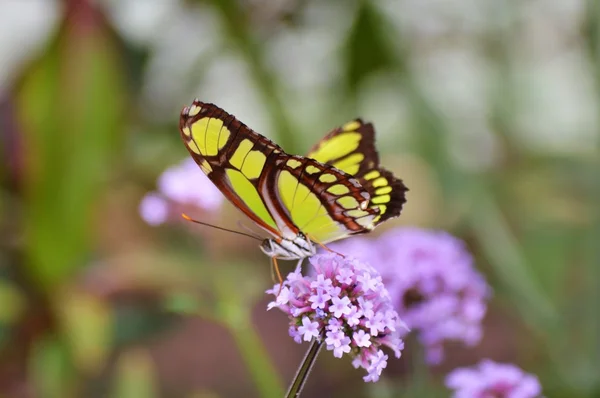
<point>180,187</point>
<point>154,209</point>
<point>432,282</point>
<point>491,379</point>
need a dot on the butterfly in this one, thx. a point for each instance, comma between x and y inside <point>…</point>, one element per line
<point>337,190</point>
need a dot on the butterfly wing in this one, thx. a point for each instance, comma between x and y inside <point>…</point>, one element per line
<point>351,148</point>
<point>323,202</point>
<point>233,157</point>
<point>284,194</point>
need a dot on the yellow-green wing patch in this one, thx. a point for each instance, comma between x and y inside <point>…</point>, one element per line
<point>351,148</point>
<point>325,203</point>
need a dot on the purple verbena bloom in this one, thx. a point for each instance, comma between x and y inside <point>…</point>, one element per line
<point>154,209</point>
<point>432,282</point>
<point>335,306</point>
<point>340,306</point>
<point>362,339</point>
<point>186,183</point>
<point>491,379</point>
<point>319,299</point>
<point>309,329</point>
<point>180,187</point>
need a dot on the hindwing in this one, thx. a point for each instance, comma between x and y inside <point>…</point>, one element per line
<point>351,148</point>
<point>324,202</point>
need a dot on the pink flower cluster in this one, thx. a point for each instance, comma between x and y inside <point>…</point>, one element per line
<point>345,305</point>
<point>432,282</point>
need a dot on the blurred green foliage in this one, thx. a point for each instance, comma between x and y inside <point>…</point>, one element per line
<point>489,111</point>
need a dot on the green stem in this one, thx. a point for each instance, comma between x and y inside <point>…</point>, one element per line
<point>234,309</point>
<point>504,254</point>
<point>304,369</point>
<point>420,371</point>
<point>592,250</point>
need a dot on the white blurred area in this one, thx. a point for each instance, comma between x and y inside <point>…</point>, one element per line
<point>544,68</point>
<point>25,27</point>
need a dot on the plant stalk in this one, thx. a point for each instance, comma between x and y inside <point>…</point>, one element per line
<point>304,369</point>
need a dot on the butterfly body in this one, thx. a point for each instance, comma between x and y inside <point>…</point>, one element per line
<point>336,191</point>
<point>289,249</point>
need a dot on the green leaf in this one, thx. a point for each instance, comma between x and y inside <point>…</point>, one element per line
<point>69,106</point>
<point>367,50</point>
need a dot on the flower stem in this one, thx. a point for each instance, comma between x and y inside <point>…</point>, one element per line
<point>304,369</point>
<point>420,371</point>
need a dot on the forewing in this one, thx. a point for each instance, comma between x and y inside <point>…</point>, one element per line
<point>232,155</point>
<point>351,148</point>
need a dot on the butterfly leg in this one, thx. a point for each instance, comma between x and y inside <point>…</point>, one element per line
<point>299,265</point>
<point>276,269</point>
<point>325,247</point>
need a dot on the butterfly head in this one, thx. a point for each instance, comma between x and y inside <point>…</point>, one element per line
<point>289,249</point>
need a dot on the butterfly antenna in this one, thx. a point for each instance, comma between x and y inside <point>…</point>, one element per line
<point>249,230</point>
<point>188,218</point>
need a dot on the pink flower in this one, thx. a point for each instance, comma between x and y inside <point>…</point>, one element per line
<point>491,379</point>
<point>432,282</point>
<point>179,187</point>
<point>345,305</point>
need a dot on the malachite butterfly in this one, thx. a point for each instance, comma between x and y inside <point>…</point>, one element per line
<point>337,190</point>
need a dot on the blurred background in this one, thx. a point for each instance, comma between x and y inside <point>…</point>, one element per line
<point>488,110</point>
